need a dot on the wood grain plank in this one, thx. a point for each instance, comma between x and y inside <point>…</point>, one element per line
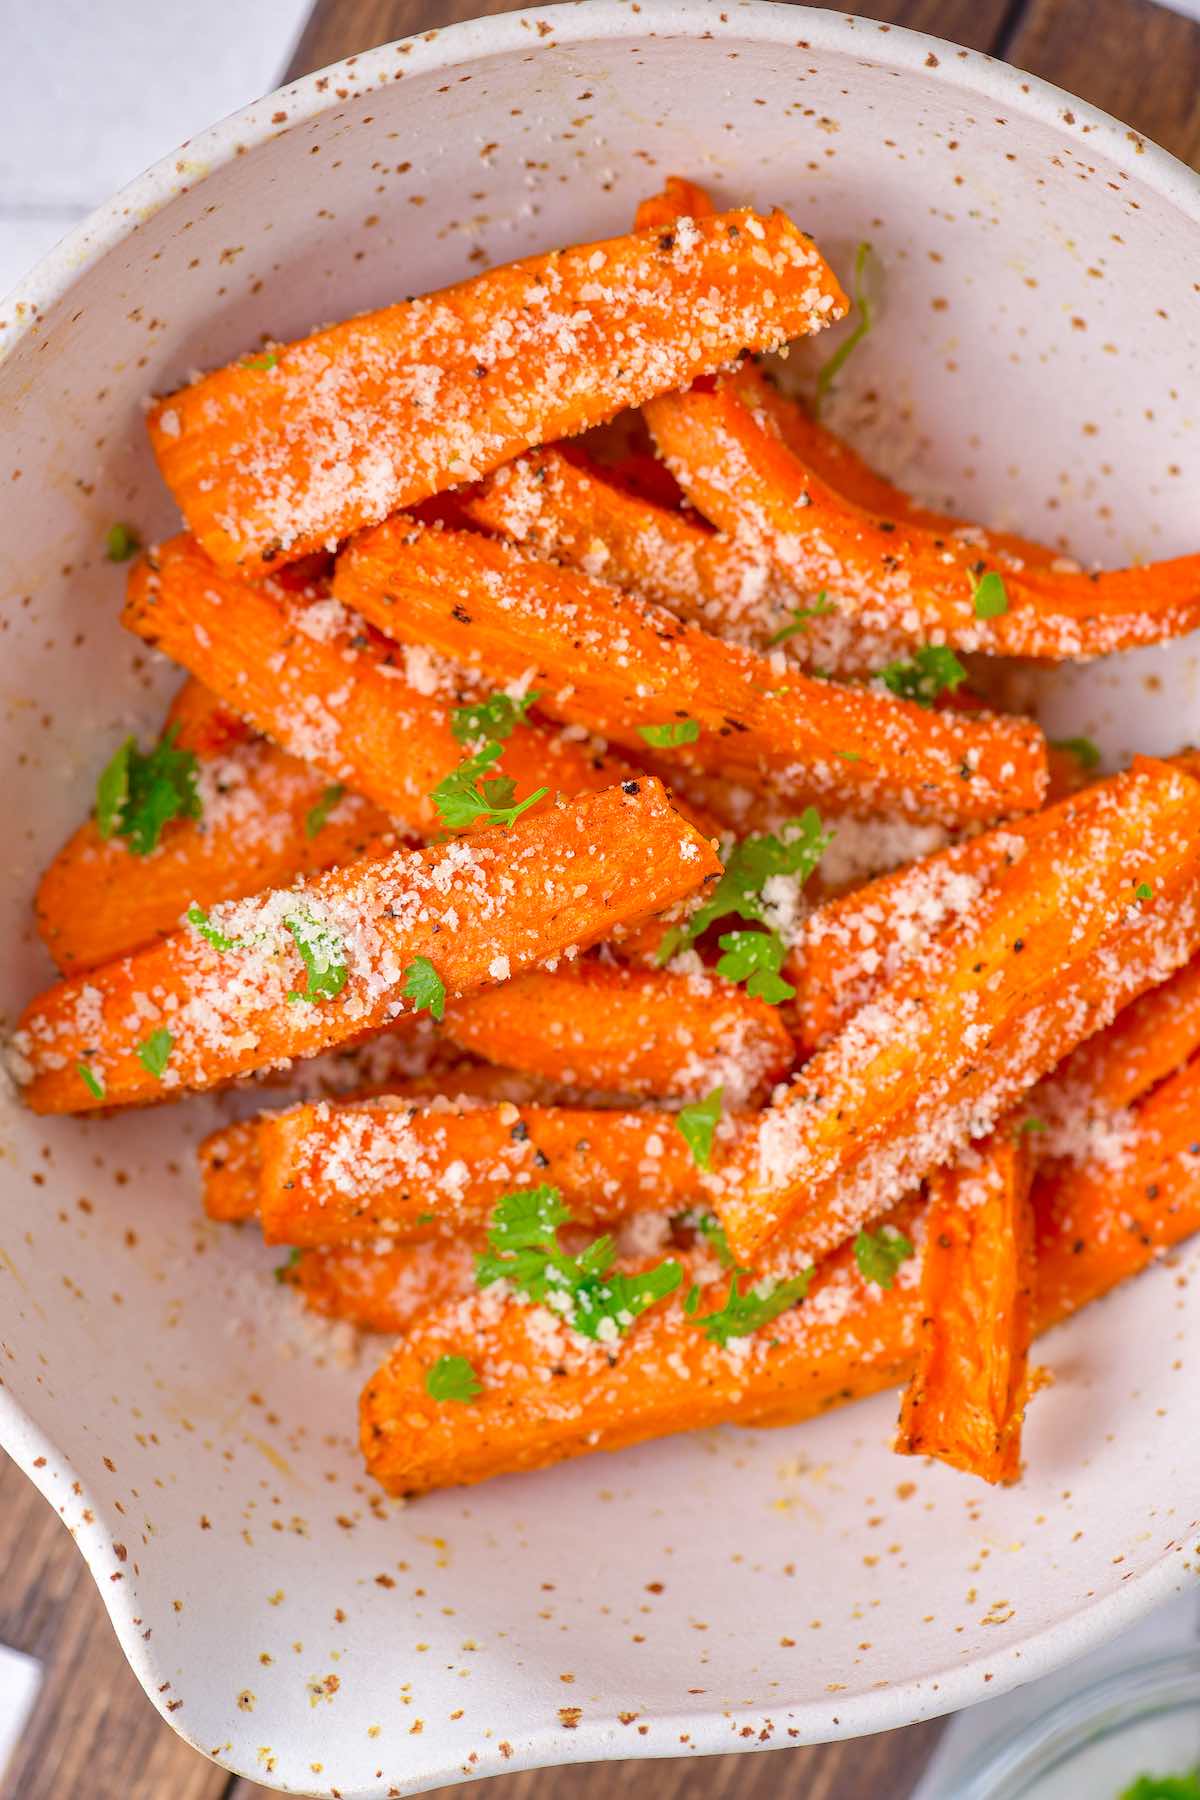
<point>338,28</point>
<point>92,1732</point>
<point>1132,57</point>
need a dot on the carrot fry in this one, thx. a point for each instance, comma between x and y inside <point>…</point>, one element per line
<point>331,692</point>
<point>478,909</point>
<point>965,1400</point>
<point>1103,1219</point>
<point>382,1290</point>
<point>1145,1043</point>
<point>336,1175</point>
<point>1099,908</point>
<point>286,452</point>
<point>741,476</point>
<point>680,199</point>
<point>230,1171</point>
<point>266,818</point>
<point>1095,1228</point>
<point>203,722</point>
<point>627,667</point>
<point>626,1031</point>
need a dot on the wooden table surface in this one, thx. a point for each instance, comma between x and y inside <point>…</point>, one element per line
<point>93,1733</point>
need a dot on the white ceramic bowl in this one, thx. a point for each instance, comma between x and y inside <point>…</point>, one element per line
<point>730,1590</point>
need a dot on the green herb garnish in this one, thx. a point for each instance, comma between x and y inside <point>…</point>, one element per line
<point>452,1378</point>
<point>154,1052</point>
<point>317,817</point>
<point>1164,1787</point>
<point>1143,891</point>
<point>138,792</point>
<point>1032,1127</point>
<point>829,371</point>
<point>743,1314</point>
<point>121,542</point>
<point>713,1232</point>
<point>698,1123</point>
<point>90,1080</point>
<point>463,798</point>
<point>880,1253</point>
<point>523,1249</point>
<point>991,596</point>
<point>493,720</point>
<point>933,670</point>
<point>199,920</point>
<point>1082,748</point>
<point>666,737</point>
<point>821,607</point>
<point>283,1269</point>
<point>262,363</point>
<point>425,988</point>
<point>756,958</point>
<point>323,954</point>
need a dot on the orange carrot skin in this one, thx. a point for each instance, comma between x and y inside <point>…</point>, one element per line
<point>382,1290</point>
<point>337,1175</point>
<point>1097,1223</point>
<point>286,452</point>
<point>680,199</point>
<point>965,1401</point>
<point>333,693</point>
<point>739,473</point>
<point>97,901</point>
<point>483,603</point>
<point>951,1041</point>
<point>1145,1043</point>
<point>511,899</point>
<point>628,1031</point>
<point>230,1172</point>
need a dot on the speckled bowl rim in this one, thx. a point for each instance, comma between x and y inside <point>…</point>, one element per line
<point>967,72</point>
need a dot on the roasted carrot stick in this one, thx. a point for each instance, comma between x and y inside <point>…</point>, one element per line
<point>680,199</point>
<point>1146,1042</point>
<point>626,1031</point>
<point>341,1174</point>
<point>189,1012</point>
<point>1102,1219</point>
<point>290,450</point>
<point>740,475</point>
<point>1098,909</point>
<point>382,1290</point>
<point>265,819</point>
<point>334,693</point>
<point>849,1338</point>
<point>628,668</point>
<point>231,1171</point>
<point>965,1400</point>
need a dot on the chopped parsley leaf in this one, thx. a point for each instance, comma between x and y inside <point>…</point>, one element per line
<point>425,988</point>
<point>1032,1127</point>
<point>121,542</point>
<point>712,1230</point>
<point>452,1378</point>
<point>821,607</point>
<point>464,799</point>
<point>139,792</point>
<point>698,1123</point>
<point>795,849</point>
<point>880,1253</point>
<point>90,1080</point>
<point>199,920</point>
<point>1082,748</point>
<point>262,363</point>
<point>284,1269</point>
<point>491,721</point>
<point>1164,1787</point>
<point>1143,891</point>
<point>829,371</point>
<point>745,1313</point>
<point>933,670</point>
<point>523,1249</point>
<point>991,596</point>
<point>317,817</point>
<point>323,954</point>
<point>756,958</point>
<point>666,737</point>
<point>154,1052</point>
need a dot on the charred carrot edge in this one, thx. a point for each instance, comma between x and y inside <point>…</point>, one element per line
<point>342,1174</point>
<point>965,1399</point>
<point>627,1031</point>
<point>332,692</point>
<point>500,901</point>
<point>382,1290</point>
<point>1095,1227</point>
<point>741,476</point>
<point>994,1002</point>
<point>266,819</point>
<point>440,390</point>
<point>482,602</point>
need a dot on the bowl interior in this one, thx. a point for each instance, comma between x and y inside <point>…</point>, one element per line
<point>732,1589</point>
